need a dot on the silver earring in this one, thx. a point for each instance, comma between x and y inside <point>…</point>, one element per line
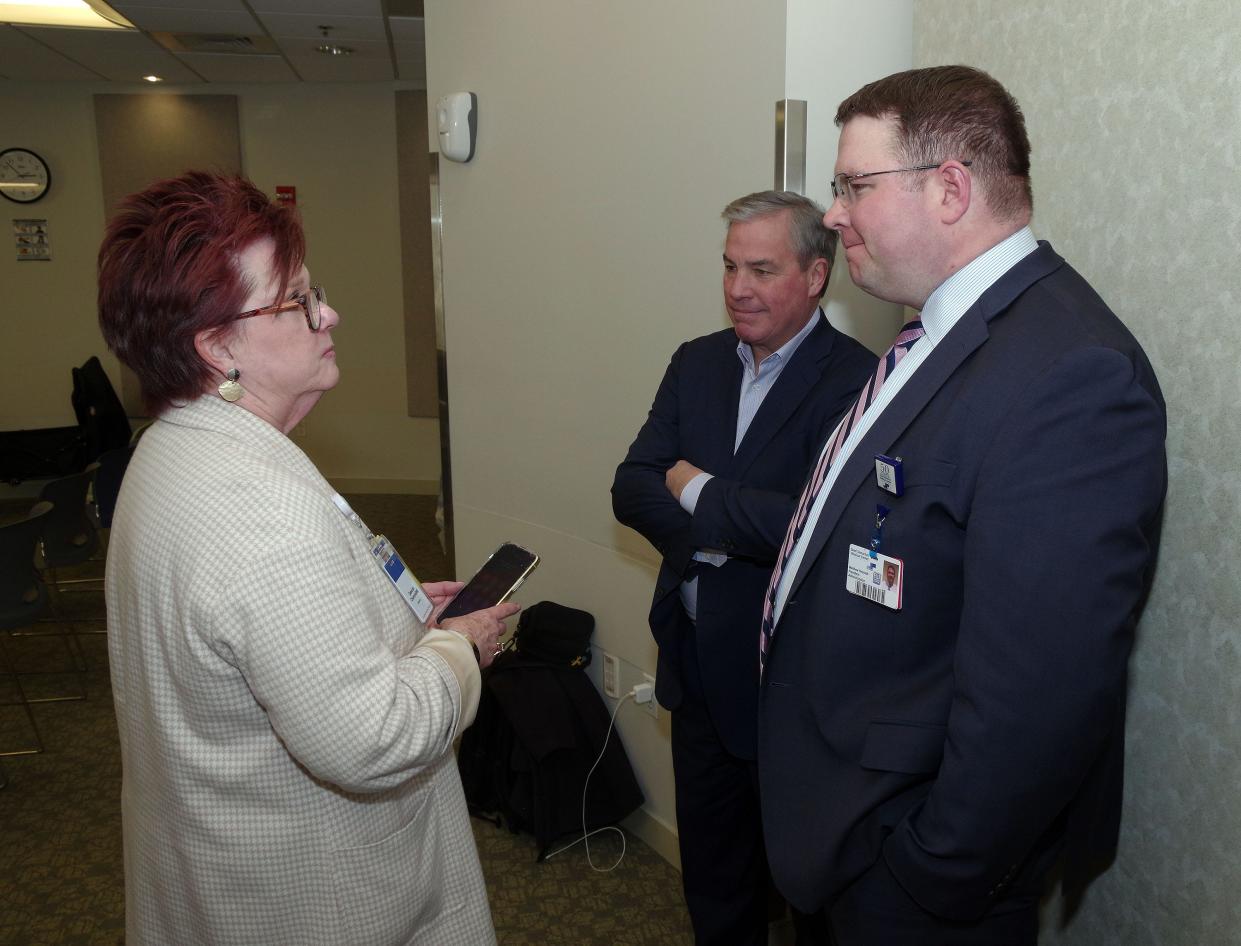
<point>229,389</point>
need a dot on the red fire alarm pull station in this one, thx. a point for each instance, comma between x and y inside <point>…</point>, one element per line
<point>286,194</point>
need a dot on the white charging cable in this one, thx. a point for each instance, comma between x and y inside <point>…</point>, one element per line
<point>645,690</point>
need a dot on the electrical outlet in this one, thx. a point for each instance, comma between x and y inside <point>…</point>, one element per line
<point>611,676</point>
<point>651,705</point>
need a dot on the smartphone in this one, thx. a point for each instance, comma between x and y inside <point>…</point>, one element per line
<point>505,569</point>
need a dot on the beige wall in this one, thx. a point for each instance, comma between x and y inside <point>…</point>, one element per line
<point>581,246</point>
<point>337,145</point>
<point>47,309</point>
<point>1133,115</point>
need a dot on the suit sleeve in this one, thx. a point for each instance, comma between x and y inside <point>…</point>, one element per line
<point>741,520</point>
<point>748,521</point>
<point>1057,556</point>
<point>640,497</point>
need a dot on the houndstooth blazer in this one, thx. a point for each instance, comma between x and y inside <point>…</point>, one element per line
<point>286,723</point>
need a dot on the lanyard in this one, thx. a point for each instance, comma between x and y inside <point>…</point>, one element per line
<point>390,563</point>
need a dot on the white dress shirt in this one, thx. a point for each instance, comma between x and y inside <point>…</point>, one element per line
<point>943,309</point>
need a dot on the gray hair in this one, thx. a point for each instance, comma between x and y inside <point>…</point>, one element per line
<point>808,236</point>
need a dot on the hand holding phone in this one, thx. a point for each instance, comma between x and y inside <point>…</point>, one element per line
<point>484,628</point>
<point>503,572</point>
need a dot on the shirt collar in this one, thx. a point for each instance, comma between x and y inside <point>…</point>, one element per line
<point>784,352</point>
<point>953,297</point>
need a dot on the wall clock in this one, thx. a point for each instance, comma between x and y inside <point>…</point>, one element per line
<point>24,176</point>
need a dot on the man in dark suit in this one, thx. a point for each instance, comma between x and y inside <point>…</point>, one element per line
<point>928,751</point>
<point>711,481</point>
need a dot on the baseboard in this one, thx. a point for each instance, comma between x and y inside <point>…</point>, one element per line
<point>657,835</point>
<point>360,484</point>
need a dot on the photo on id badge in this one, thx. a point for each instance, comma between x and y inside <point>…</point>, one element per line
<point>875,577</point>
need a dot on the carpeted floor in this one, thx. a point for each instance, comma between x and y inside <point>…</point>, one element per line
<point>61,874</point>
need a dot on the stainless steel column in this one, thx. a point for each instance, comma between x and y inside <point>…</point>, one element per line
<point>791,145</point>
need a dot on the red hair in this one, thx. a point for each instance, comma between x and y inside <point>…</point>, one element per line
<point>168,270</point>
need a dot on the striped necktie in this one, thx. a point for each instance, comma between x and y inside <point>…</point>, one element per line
<point>912,331</point>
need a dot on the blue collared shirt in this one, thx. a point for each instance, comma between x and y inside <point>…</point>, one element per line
<point>756,384</point>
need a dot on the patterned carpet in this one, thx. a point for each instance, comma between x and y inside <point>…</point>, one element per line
<point>61,875</point>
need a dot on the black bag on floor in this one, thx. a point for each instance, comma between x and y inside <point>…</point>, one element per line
<point>540,727</point>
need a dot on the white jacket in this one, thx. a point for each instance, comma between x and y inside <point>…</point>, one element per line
<point>286,723</point>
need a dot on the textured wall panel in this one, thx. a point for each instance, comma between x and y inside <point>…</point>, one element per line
<point>1134,113</point>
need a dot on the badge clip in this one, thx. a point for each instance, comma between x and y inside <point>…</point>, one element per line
<point>890,474</point>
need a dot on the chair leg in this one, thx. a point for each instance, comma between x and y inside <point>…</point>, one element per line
<point>59,617</point>
<point>57,584</point>
<point>34,727</point>
<point>77,662</point>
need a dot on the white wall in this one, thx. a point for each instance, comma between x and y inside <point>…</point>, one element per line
<point>832,50</point>
<point>581,246</point>
<point>1134,115</point>
<point>337,145</point>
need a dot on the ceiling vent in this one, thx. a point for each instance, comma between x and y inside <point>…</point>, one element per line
<point>221,43</point>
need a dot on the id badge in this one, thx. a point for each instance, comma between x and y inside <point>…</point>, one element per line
<point>402,578</point>
<point>875,577</point>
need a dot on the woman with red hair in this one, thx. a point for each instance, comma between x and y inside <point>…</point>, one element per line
<point>286,716</point>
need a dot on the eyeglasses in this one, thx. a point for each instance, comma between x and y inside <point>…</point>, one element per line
<point>310,302</point>
<point>842,184</point>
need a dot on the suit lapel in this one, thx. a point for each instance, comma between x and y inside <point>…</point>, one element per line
<point>791,388</point>
<point>708,407</point>
<point>970,332</point>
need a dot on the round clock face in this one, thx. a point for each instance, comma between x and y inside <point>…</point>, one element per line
<point>24,176</point>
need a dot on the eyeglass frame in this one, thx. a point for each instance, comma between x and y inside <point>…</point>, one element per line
<point>838,192</point>
<point>303,301</point>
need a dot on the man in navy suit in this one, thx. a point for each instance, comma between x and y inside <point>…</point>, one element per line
<point>928,751</point>
<point>711,481</point>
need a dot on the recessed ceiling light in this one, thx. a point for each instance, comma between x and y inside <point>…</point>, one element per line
<point>153,78</point>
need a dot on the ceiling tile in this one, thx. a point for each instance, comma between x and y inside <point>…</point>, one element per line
<point>344,69</point>
<point>342,28</point>
<point>408,30</point>
<point>170,20</point>
<point>23,58</point>
<point>289,29</point>
<point>119,56</point>
<point>315,7</point>
<point>224,67</point>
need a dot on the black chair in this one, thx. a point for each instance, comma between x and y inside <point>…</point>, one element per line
<point>112,465</point>
<point>69,538</point>
<point>100,414</point>
<point>49,452</point>
<point>24,600</point>
<point>69,533</point>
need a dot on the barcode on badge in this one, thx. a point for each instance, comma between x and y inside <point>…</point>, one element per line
<point>868,591</point>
